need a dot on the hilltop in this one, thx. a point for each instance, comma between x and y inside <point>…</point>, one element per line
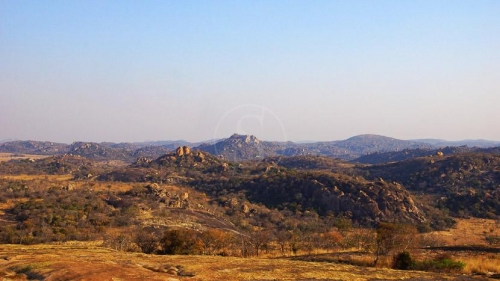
<point>248,147</point>
<point>241,147</point>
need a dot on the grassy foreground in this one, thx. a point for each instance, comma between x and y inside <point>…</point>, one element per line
<point>87,262</point>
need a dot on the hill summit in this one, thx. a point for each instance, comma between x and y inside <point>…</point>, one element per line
<point>241,147</point>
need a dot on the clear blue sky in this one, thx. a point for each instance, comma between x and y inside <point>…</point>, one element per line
<point>281,70</point>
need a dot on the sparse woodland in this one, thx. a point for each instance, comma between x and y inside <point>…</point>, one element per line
<point>192,203</point>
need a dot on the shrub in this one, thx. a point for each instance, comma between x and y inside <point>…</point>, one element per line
<point>441,264</point>
<point>147,240</point>
<point>403,261</point>
<point>181,242</point>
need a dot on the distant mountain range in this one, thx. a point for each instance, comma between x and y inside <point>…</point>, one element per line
<point>363,148</point>
<point>469,143</point>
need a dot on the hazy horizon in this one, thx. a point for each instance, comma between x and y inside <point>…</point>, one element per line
<point>271,140</point>
<point>280,70</point>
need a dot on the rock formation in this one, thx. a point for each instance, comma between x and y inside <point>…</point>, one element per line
<point>183,151</point>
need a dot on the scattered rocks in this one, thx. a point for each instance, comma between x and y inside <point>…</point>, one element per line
<point>143,161</point>
<point>233,202</point>
<point>69,187</point>
<point>200,157</point>
<point>172,199</point>
<point>177,270</point>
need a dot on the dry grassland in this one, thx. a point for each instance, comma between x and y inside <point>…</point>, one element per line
<point>468,232</point>
<point>10,156</point>
<point>90,262</point>
<point>38,177</point>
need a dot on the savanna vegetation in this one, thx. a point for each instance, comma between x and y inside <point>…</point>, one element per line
<point>305,208</point>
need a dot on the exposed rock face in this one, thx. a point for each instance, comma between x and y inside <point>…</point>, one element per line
<point>183,151</point>
<point>245,209</point>
<point>143,161</point>
<point>184,196</point>
<point>156,190</point>
<point>241,147</point>
<point>200,157</point>
<point>179,151</point>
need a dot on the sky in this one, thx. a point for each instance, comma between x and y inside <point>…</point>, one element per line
<point>126,71</point>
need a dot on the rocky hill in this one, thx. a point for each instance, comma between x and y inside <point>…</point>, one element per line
<point>241,147</point>
<point>363,201</point>
<point>103,151</point>
<point>469,143</point>
<point>468,184</point>
<point>152,151</point>
<point>366,144</point>
<point>177,166</point>
<point>184,158</point>
<point>277,183</point>
<point>247,147</point>
<point>362,148</point>
<point>34,147</point>
<point>79,167</point>
<point>395,156</point>
<point>311,163</point>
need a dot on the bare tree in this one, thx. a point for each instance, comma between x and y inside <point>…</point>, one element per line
<point>392,237</point>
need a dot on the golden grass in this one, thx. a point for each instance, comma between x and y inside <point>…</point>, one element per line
<point>38,177</point>
<point>467,232</point>
<point>88,262</point>
<point>10,156</point>
<point>483,264</point>
<point>361,260</point>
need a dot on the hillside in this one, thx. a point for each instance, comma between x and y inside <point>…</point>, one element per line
<point>247,147</point>
<point>313,183</point>
<point>55,165</point>
<point>365,202</point>
<point>406,154</point>
<point>465,183</point>
<point>263,182</point>
<point>189,202</point>
<point>34,147</point>
<point>469,143</point>
<point>309,162</point>
<point>176,166</point>
<point>366,144</point>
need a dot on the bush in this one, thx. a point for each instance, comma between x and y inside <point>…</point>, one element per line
<point>181,242</point>
<point>441,264</point>
<point>403,261</point>
<point>147,240</point>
